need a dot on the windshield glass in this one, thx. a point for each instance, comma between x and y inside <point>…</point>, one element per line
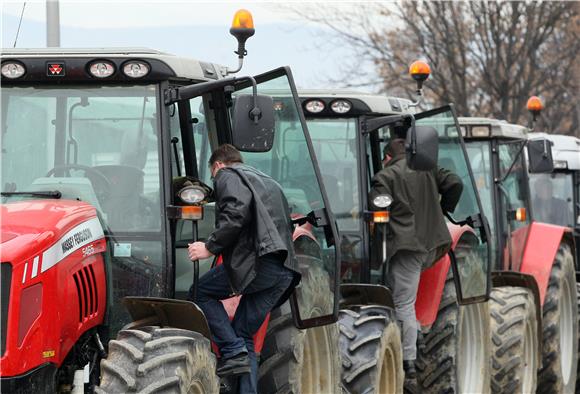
<point>552,198</point>
<point>97,145</point>
<point>335,146</point>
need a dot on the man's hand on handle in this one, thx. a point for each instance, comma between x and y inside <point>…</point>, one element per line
<point>198,251</point>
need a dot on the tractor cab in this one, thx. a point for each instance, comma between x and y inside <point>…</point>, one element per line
<point>556,195</point>
<point>121,138</point>
<point>349,131</point>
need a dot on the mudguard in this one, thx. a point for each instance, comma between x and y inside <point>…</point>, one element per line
<point>540,251</point>
<point>433,281</point>
<point>365,294</point>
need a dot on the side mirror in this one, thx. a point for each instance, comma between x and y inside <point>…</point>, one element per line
<point>422,145</point>
<point>540,156</point>
<point>253,123</point>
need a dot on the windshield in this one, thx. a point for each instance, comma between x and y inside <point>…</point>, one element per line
<point>335,146</point>
<point>552,198</point>
<point>98,145</point>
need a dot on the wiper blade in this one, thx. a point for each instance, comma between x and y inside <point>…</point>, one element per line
<point>48,193</point>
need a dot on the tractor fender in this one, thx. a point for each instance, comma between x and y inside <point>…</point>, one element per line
<point>540,251</point>
<point>165,312</point>
<point>518,279</point>
<point>433,279</point>
<point>365,294</point>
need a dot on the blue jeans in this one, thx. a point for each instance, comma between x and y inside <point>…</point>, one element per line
<point>257,300</point>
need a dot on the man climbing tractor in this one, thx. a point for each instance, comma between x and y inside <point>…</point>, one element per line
<point>417,235</point>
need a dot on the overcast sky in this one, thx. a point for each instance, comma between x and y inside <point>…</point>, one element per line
<point>189,28</point>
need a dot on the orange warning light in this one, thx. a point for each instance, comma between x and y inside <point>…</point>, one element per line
<point>419,70</point>
<point>243,20</point>
<point>535,104</point>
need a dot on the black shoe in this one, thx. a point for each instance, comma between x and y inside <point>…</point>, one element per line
<point>409,367</point>
<point>237,365</point>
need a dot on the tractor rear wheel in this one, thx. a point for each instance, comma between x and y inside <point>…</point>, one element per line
<point>370,345</point>
<point>155,360</point>
<point>301,361</point>
<point>560,327</point>
<point>514,338</point>
<point>453,356</point>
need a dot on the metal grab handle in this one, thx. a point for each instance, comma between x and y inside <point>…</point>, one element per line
<point>195,279</point>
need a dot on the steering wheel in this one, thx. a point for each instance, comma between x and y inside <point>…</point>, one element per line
<point>101,183</point>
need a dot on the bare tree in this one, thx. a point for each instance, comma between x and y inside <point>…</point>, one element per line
<point>487,57</point>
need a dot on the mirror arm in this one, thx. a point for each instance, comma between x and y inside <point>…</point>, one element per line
<point>511,167</point>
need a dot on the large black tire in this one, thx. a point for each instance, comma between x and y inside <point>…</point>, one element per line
<point>560,327</point>
<point>159,360</point>
<point>453,356</point>
<point>301,361</point>
<point>514,338</point>
<point>370,346</point>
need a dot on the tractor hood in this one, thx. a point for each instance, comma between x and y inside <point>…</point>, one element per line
<point>32,226</point>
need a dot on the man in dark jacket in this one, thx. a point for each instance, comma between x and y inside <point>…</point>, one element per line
<point>253,235</point>
<point>417,235</point>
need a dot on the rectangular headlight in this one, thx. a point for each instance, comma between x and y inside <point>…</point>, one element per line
<point>480,131</point>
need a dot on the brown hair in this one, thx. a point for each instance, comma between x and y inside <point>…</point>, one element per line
<point>227,154</point>
<point>395,147</point>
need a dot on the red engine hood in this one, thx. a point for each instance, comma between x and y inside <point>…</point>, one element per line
<point>29,227</point>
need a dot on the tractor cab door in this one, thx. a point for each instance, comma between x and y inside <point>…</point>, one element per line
<point>279,146</point>
<point>292,163</point>
<point>473,254</point>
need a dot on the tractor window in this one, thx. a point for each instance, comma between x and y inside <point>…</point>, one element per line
<point>514,191</point>
<point>335,145</point>
<point>553,198</point>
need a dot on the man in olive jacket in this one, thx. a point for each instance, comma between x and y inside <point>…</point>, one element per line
<point>417,235</point>
<point>253,234</point>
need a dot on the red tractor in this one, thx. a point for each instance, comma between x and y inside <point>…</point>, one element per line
<point>349,131</point>
<point>533,301</point>
<point>104,166</point>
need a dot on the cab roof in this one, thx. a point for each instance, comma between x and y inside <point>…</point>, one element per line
<point>499,128</point>
<point>368,103</point>
<point>565,148</point>
<point>182,67</point>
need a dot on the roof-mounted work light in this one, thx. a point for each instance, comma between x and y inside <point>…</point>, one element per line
<point>535,106</point>
<point>242,28</point>
<point>419,71</point>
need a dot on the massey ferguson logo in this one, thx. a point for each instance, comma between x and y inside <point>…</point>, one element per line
<point>55,69</point>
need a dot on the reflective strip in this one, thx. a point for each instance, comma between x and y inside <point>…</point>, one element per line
<point>35,267</point>
<point>73,240</point>
<point>24,275</point>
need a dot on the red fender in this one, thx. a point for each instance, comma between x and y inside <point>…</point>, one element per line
<point>433,281</point>
<point>540,250</point>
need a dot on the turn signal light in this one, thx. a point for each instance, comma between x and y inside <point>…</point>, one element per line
<point>419,70</point>
<point>381,216</point>
<point>243,20</point>
<point>535,104</point>
<point>192,213</point>
<point>521,214</point>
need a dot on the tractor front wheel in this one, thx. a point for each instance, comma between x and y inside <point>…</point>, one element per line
<point>155,359</point>
<point>560,327</point>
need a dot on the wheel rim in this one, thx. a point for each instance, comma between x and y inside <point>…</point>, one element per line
<point>317,364</point>
<point>529,359</point>
<point>566,328</point>
<point>471,352</point>
<point>388,372</point>
<point>196,388</point>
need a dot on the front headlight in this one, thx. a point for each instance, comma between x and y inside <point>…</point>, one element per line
<point>382,201</point>
<point>192,194</point>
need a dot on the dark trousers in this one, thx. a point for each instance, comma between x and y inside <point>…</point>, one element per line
<point>271,281</point>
